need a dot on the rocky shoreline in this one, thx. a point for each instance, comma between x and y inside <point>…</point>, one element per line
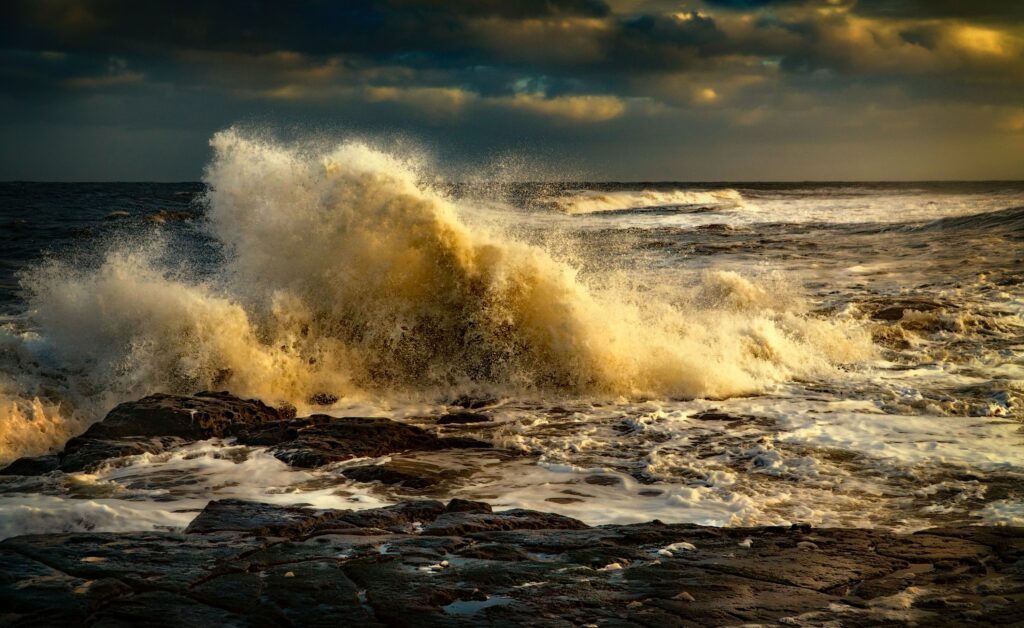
<point>426,562</point>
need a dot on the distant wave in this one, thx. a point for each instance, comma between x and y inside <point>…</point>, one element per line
<point>594,201</point>
<point>1010,219</point>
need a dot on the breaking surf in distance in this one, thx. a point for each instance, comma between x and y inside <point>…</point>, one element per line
<point>590,202</point>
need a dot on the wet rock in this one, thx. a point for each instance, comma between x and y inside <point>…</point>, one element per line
<point>603,480</point>
<point>81,453</point>
<point>465,505</point>
<point>463,418</point>
<point>320,439</point>
<point>152,425</point>
<point>237,515</point>
<point>372,568</point>
<point>192,417</point>
<point>161,608</point>
<point>470,402</point>
<point>396,518</point>
<point>462,523</point>
<point>892,310</point>
<point>160,422</point>
<point>392,474</point>
<point>35,465</point>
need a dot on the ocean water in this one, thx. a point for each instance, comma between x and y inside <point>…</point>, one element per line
<point>723,354</point>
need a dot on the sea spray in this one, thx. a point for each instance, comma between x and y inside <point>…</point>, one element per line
<point>345,274</point>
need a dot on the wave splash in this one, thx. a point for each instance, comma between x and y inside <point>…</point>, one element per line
<point>346,275</point>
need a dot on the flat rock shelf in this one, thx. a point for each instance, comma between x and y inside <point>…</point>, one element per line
<point>430,563</point>
<point>426,563</point>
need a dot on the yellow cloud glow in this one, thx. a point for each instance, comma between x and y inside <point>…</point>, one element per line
<point>576,108</point>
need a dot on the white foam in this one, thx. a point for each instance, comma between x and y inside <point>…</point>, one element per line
<point>589,202</point>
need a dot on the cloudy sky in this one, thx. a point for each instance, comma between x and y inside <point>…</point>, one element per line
<point>601,89</point>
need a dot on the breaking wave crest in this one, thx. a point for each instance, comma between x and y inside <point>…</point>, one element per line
<point>590,201</point>
<point>345,274</point>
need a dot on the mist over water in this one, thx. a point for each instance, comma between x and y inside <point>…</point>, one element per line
<point>832,337</point>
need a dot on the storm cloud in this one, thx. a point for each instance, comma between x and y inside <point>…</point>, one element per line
<point>719,89</point>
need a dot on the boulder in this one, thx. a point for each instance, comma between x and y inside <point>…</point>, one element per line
<point>463,418</point>
<point>320,439</point>
<point>191,417</point>
<point>34,465</point>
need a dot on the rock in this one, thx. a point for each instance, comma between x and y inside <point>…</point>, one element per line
<point>465,505</point>
<point>36,465</point>
<point>320,439</point>
<point>157,423</point>
<point>411,472</point>
<point>603,480</point>
<point>237,515</point>
<point>391,474</point>
<point>460,523</point>
<point>463,418</point>
<point>191,417</point>
<point>161,608</point>
<point>371,568</point>
<point>892,310</point>
<point>81,454</point>
<point>398,517</point>
<point>473,403</point>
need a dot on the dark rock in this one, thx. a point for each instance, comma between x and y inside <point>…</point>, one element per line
<point>193,417</point>
<point>378,571</point>
<point>36,465</point>
<point>892,311</point>
<point>152,425</point>
<point>712,415</point>
<point>389,474</point>
<point>603,480</point>
<point>465,505</point>
<point>462,523</point>
<point>82,453</point>
<point>158,422</point>
<point>463,418</point>
<point>237,515</point>
<point>318,440</point>
<point>162,608</point>
<point>397,517</point>
<point>473,403</point>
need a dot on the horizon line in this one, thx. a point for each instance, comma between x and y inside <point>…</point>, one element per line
<point>571,181</point>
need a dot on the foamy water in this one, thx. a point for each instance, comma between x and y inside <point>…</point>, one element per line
<point>603,321</point>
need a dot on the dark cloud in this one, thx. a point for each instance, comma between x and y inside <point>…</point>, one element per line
<point>520,9</point>
<point>967,9</point>
<point>489,71</point>
<point>314,26</point>
<point>746,5</point>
